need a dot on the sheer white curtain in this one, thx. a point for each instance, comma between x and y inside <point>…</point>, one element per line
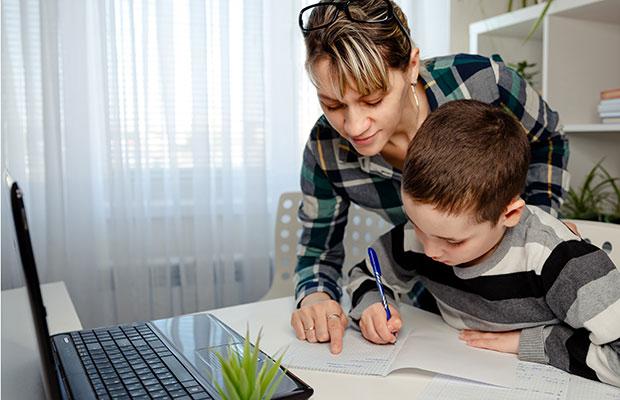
<point>152,139</point>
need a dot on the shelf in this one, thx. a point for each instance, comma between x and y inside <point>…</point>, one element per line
<point>513,24</point>
<point>575,52</point>
<point>517,24</point>
<point>591,128</point>
<point>605,11</point>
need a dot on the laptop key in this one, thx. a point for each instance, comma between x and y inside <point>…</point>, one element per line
<point>173,387</point>
<point>201,396</point>
<point>177,393</point>
<point>168,381</point>
<point>123,342</point>
<point>131,381</point>
<point>132,386</point>
<point>93,346</point>
<point>190,383</point>
<point>195,389</point>
<point>158,393</point>
<point>148,382</point>
<point>140,392</point>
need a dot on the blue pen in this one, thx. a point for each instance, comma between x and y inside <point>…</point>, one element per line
<point>376,269</point>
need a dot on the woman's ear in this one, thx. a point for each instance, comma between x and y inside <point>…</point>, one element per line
<point>512,214</point>
<point>414,65</point>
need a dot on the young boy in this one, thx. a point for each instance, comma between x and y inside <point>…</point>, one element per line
<point>511,277</point>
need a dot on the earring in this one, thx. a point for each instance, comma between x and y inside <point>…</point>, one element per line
<point>415,95</point>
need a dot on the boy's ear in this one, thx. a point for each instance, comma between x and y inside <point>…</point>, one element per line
<point>512,214</point>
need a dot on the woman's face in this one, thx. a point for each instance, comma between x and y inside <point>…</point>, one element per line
<point>367,122</point>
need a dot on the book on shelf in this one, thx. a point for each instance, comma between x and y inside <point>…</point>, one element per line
<point>610,94</point>
<point>607,106</point>
<point>611,120</point>
<point>609,114</point>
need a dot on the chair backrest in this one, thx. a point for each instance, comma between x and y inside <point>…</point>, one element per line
<point>363,228</point>
<point>601,234</point>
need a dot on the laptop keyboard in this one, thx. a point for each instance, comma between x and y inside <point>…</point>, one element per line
<point>131,362</point>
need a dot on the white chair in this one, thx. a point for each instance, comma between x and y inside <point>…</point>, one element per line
<point>603,235</point>
<point>363,228</point>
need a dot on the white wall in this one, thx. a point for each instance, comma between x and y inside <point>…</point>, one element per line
<point>463,13</point>
<point>429,21</point>
<point>441,27</point>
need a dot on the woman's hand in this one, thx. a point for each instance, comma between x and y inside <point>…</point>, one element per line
<point>376,328</point>
<point>320,319</point>
<point>505,342</point>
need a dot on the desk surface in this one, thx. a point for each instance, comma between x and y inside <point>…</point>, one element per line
<point>21,377</point>
<point>22,380</point>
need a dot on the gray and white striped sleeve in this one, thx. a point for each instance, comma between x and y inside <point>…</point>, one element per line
<point>582,288</point>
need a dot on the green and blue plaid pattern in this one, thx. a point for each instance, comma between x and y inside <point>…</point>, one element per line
<point>334,175</point>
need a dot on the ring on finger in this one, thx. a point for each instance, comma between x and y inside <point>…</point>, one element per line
<point>334,315</point>
<point>309,329</point>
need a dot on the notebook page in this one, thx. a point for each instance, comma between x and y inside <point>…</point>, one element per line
<point>534,382</point>
<point>444,387</point>
<point>581,388</point>
<point>358,356</point>
<point>434,346</point>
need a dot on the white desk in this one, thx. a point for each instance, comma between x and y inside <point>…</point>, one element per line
<point>21,377</point>
<point>20,372</point>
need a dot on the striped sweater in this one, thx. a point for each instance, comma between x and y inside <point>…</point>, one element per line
<point>561,292</point>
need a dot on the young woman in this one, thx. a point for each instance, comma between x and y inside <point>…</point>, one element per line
<point>375,92</point>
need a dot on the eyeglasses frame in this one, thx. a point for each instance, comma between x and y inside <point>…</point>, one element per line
<point>343,6</point>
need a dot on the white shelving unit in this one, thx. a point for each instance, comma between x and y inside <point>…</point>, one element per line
<point>577,54</point>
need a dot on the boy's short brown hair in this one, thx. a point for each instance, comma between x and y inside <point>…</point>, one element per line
<point>467,156</point>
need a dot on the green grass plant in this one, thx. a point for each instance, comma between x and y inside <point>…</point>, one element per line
<point>242,377</point>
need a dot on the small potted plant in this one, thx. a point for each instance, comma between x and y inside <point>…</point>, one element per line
<point>242,377</point>
<point>598,198</point>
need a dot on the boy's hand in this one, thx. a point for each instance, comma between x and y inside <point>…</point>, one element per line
<point>376,328</point>
<point>505,342</point>
<point>320,319</point>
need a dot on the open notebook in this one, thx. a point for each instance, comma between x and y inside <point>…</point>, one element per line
<point>425,342</point>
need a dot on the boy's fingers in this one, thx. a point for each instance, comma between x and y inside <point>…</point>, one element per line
<point>471,334</point>
<point>381,326</point>
<point>483,344</point>
<point>394,324</point>
<point>372,334</point>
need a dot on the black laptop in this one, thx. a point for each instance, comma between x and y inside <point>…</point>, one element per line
<point>172,358</point>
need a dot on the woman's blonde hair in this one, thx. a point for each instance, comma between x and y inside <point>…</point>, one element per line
<point>360,54</point>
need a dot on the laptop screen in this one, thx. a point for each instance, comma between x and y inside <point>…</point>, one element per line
<point>50,379</point>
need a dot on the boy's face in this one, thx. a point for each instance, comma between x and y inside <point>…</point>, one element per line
<point>456,240</point>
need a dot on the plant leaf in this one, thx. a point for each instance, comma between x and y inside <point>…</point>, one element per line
<point>270,373</point>
<point>540,19</point>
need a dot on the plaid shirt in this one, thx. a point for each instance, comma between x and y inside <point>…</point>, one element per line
<point>333,174</point>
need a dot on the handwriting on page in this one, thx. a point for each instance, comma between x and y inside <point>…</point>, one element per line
<point>534,382</point>
<point>358,356</point>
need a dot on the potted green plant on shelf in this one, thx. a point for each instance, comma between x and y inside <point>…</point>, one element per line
<point>523,68</point>
<point>598,198</point>
<point>242,377</point>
